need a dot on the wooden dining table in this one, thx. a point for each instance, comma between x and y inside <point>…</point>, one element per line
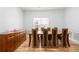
<point>40,33</point>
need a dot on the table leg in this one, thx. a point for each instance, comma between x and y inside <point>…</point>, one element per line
<point>29,39</point>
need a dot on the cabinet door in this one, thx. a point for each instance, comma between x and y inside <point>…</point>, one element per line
<point>1,44</point>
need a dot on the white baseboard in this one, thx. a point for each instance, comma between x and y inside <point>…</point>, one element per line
<point>75,41</point>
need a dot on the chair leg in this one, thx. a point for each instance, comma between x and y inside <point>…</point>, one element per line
<point>37,41</point>
<point>68,40</point>
<point>49,40</point>
<point>42,41</point>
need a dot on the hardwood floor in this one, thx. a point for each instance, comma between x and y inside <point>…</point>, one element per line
<point>24,48</point>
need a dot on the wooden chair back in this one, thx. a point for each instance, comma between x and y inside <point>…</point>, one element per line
<point>54,37</point>
<point>45,38</point>
<point>35,38</point>
<point>65,38</point>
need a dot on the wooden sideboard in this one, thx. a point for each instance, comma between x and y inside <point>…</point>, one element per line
<point>11,41</point>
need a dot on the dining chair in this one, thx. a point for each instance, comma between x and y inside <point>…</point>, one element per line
<point>65,38</point>
<point>49,37</point>
<point>54,37</point>
<point>49,40</point>
<point>44,40</point>
<point>35,38</point>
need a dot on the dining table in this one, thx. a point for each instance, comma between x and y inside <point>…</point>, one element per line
<point>40,33</point>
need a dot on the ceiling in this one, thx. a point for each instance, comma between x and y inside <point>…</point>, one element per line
<point>40,8</point>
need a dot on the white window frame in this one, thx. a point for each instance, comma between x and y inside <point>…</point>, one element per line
<point>41,22</point>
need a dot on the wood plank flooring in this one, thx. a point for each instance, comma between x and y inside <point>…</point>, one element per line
<point>24,48</point>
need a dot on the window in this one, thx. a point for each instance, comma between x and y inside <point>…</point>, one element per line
<point>40,22</point>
